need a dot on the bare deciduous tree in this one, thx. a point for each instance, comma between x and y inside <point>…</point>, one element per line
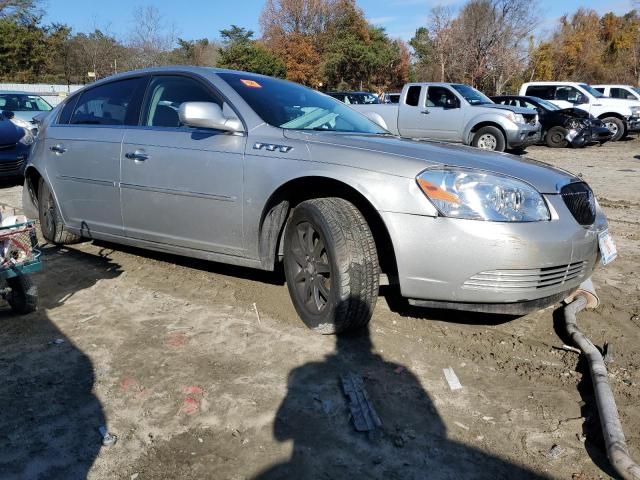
<point>151,39</point>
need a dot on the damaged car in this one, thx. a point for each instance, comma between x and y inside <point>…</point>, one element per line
<point>254,171</point>
<point>561,127</point>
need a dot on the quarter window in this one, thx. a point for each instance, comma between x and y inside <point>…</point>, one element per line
<point>413,95</point>
<point>114,103</point>
<point>167,93</point>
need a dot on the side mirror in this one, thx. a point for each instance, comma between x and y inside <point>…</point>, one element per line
<point>451,103</point>
<point>207,115</point>
<point>582,99</point>
<point>377,119</point>
<point>8,114</point>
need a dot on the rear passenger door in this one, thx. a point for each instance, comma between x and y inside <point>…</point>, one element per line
<point>180,185</point>
<point>411,114</point>
<point>83,147</point>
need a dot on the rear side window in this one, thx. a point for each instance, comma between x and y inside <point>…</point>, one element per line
<point>67,110</point>
<point>167,93</point>
<point>114,103</point>
<point>600,89</point>
<point>546,92</point>
<point>413,95</point>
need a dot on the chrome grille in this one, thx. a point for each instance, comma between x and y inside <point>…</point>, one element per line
<point>529,279</point>
<point>579,199</point>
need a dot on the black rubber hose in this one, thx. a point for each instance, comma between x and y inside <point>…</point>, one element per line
<point>614,439</point>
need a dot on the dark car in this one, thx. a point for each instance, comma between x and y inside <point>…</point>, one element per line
<point>15,143</point>
<point>561,127</point>
<point>355,98</point>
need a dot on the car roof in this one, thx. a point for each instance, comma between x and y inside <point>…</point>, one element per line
<point>18,92</point>
<point>612,85</point>
<point>555,83</point>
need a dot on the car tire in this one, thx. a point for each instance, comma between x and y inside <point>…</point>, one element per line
<point>23,297</point>
<point>489,138</point>
<point>616,126</point>
<point>556,137</point>
<point>51,224</point>
<point>331,265</point>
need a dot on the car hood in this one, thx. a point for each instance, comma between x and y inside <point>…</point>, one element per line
<point>9,132</point>
<point>404,157</point>
<point>26,116</point>
<point>497,106</point>
<point>574,112</point>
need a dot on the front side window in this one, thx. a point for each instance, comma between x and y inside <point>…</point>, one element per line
<point>622,93</point>
<point>114,103</point>
<point>167,93</point>
<point>440,97</point>
<point>570,94</point>
<point>291,106</point>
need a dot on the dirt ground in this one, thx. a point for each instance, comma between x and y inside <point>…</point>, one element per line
<point>204,371</point>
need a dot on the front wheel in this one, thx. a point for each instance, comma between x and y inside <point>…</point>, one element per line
<point>489,138</point>
<point>616,127</point>
<point>331,265</point>
<point>557,137</point>
<point>23,294</point>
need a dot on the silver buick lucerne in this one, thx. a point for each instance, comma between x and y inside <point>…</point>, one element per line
<point>245,169</point>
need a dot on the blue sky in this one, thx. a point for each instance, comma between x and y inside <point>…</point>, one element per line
<point>204,18</point>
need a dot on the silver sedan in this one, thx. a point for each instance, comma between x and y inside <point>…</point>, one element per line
<point>249,170</point>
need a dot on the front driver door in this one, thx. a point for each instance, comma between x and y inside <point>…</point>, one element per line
<point>180,185</point>
<point>444,119</point>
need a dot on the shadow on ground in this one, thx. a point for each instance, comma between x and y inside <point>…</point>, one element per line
<point>411,444</point>
<point>49,416</point>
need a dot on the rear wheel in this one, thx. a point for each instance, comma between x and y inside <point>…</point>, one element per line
<point>489,138</point>
<point>616,127</point>
<point>23,297</point>
<point>50,219</point>
<point>556,137</point>
<point>331,265</point>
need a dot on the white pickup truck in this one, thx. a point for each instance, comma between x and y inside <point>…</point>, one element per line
<point>456,113</point>
<point>621,116</point>
<point>627,92</point>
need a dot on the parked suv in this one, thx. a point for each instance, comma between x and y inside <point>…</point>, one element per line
<point>250,170</point>
<point>620,116</point>
<point>456,113</point>
<point>626,92</point>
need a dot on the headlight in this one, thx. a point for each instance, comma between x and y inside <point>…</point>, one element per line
<point>477,195</point>
<point>635,111</point>
<point>28,137</point>
<point>515,117</point>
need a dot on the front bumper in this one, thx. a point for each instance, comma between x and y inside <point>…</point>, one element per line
<point>523,136</point>
<point>589,135</point>
<point>633,124</point>
<point>473,262</point>
<point>13,161</point>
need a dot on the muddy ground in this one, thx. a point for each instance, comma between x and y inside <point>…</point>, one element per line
<point>204,371</point>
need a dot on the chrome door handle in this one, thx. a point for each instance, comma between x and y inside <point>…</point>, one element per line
<point>59,149</point>
<point>138,156</point>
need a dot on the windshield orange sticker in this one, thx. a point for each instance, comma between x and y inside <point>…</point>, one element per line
<point>251,83</point>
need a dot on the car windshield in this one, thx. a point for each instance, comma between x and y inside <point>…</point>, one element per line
<point>15,102</point>
<point>592,90</point>
<point>636,89</point>
<point>546,105</point>
<point>471,95</point>
<point>294,107</point>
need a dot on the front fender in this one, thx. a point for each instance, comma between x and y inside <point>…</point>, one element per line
<point>501,121</point>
